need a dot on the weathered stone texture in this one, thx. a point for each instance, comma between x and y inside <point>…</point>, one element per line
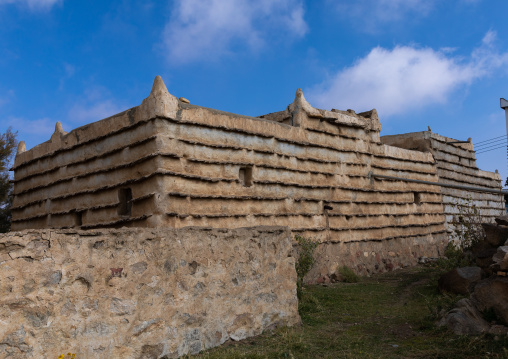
<point>186,165</point>
<point>368,257</point>
<point>168,163</point>
<point>141,293</point>
<point>456,165</point>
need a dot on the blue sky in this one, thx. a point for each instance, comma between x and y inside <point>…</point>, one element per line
<point>420,63</point>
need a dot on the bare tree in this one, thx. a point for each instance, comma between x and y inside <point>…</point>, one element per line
<point>7,147</point>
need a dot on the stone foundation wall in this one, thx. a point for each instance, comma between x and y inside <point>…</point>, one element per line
<point>368,257</point>
<point>142,293</point>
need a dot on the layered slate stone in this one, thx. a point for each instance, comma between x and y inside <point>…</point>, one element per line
<point>456,165</point>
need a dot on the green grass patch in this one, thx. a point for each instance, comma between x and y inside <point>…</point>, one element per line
<point>348,275</point>
<point>390,315</point>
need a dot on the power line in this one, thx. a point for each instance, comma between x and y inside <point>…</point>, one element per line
<point>495,148</point>
<point>493,142</point>
<point>490,139</point>
<point>491,145</point>
<point>492,149</point>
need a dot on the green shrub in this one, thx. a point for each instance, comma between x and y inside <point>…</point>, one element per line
<point>348,275</point>
<point>467,224</point>
<point>440,303</point>
<point>305,261</point>
<point>455,257</point>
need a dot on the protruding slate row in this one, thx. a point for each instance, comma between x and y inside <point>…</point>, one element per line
<point>170,163</point>
<point>456,165</point>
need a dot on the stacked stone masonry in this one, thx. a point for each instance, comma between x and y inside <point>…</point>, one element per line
<point>142,293</point>
<point>168,163</point>
<point>456,164</point>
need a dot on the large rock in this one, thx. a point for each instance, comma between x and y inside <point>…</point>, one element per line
<point>142,293</point>
<point>495,235</point>
<point>465,319</point>
<point>492,294</point>
<point>502,220</point>
<point>483,252</point>
<point>460,280</point>
<point>500,259</point>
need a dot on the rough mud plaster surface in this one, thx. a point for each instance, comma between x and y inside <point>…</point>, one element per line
<point>187,165</point>
<point>456,165</point>
<point>141,293</point>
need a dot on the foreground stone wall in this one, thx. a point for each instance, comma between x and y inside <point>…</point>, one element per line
<point>456,164</point>
<point>368,257</point>
<point>141,293</point>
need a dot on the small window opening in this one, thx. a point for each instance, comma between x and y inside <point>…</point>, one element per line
<point>417,198</point>
<point>245,175</point>
<point>78,219</point>
<point>125,201</point>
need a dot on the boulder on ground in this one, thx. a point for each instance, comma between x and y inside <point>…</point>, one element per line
<point>495,235</point>
<point>502,220</point>
<point>460,280</point>
<point>483,252</point>
<point>498,329</point>
<point>492,294</point>
<point>500,258</point>
<point>465,319</point>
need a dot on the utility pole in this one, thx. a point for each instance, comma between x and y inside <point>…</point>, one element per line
<point>504,106</point>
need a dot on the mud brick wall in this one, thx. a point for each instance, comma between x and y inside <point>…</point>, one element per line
<point>77,179</point>
<point>456,164</point>
<point>168,163</point>
<point>139,293</point>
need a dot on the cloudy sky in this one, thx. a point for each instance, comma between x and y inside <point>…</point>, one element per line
<point>420,63</point>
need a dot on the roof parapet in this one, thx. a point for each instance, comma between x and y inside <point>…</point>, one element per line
<point>159,103</point>
<point>21,147</point>
<point>300,109</point>
<point>56,137</point>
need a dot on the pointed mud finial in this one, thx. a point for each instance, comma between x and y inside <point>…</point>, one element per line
<point>428,127</point>
<point>160,103</point>
<point>300,104</point>
<point>158,86</point>
<point>299,94</point>
<point>59,132</point>
<point>58,127</point>
<point>21,147</point>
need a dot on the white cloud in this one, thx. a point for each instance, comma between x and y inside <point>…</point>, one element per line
<point>372,11</point>
<point>96,104</point>
<point>43,128</point>
<point>69,71</point>
<point>86,113</point>
<point>6,97</point>
<point>404,78</point>
<point>32,4</point>
<point>208,29</point>
<point>373,15</point>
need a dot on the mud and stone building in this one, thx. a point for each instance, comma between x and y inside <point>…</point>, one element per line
<point>72,279</point>
<point>169,163</point>
<point>456,166</point>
